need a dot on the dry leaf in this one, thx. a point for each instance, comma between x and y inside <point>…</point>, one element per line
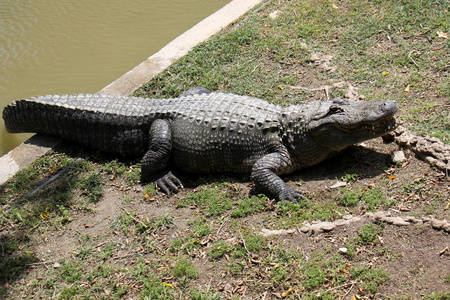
<point>442,34</point>
<point>392,177</point>
<point>407,88</point>
<point>287,293</point>
<point>338,184</point>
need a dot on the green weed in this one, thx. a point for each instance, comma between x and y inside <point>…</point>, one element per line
<point>218,249</point>
<point>369,233</point>
<point>249,205</point>
<point>184,268</point>
<point>212,200</point>
<point>372,278</point>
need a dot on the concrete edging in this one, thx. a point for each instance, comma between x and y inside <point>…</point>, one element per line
<point>38,145</point>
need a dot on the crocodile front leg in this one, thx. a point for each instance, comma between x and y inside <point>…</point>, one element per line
<point>264,174</point>
<point>155,160</point>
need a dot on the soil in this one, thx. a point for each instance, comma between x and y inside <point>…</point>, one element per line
<point>415,255</point>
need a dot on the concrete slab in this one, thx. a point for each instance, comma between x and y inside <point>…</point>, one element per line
<point>25,154</point>
<point>38,145</point>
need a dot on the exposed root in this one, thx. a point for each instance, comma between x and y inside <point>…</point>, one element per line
<point>430,149</point>
<point>381,216</point>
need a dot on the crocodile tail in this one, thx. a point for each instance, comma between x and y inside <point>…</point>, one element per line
<point>26,116</point>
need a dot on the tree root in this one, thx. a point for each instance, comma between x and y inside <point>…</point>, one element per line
<point>381,216</point>
<point>430,149</point>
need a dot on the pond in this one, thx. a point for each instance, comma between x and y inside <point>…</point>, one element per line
<point>65,47</point>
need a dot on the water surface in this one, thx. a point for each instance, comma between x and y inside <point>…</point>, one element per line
<point>64,47</point>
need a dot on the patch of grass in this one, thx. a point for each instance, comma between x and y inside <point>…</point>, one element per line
<point>70,270</point>
<point>107,251</point>
<point>203,295</point>
<point>185,244</point>
<point>184,268</point>
<point>292,214</point>
<point>199,228</point>
<point>115,167</point>
<point>437,296</point>
<point>371,199</point>
<point>349,197</point>
<point>149,190</point>
<point>153,288</point>
<point>369,233</point>
<point>374,199</point>
<point>254,243</point>
<point>447,278</point>
<point>372,278</point>
<point>153,224</point>
<point>279,274</point>
<point>249,205</point>
<point>350,177</point>
<point>236,267</point>
<point>12,267</point>
<point>91,187</point>
<point>218,249</point>
<point>320,270</point>
<point>212,200</point>
<point>133,175</point>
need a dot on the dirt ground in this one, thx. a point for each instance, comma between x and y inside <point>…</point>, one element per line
<point>416,256</point>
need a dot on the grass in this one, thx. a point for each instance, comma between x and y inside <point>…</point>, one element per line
<point>152,247</point>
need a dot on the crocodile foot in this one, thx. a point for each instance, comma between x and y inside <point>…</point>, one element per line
<point>168,183</point>
<point>287,194</point>
<point>290,195</point>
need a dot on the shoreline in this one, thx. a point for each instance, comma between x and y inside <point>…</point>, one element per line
<point>38,145</point>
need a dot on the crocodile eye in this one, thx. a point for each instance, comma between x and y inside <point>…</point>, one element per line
<point>335,110</point>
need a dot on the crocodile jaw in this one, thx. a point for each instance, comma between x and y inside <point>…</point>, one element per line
<point>339,132</point>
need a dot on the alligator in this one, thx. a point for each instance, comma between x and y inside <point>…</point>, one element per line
<point>205,132</point>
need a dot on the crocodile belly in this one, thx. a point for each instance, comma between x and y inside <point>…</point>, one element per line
<point>202,149</point>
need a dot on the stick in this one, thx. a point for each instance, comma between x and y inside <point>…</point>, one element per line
<point>136,220</point>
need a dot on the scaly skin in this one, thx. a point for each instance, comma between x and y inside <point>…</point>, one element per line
<point>205,132</point>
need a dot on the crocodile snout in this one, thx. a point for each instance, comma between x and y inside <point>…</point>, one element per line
<point>388,107</point>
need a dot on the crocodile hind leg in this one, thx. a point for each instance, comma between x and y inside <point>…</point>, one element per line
<point>155,160</point>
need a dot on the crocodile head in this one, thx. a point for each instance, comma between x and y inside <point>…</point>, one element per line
<point>340,123</point>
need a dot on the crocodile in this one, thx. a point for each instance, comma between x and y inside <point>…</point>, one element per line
<point>204,132</point>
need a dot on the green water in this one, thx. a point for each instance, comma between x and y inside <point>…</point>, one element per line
<point>64,47</point>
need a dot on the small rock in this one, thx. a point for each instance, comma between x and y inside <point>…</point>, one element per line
<point>398,157</point>
<point>273,15</point>
<point>446,227</point>
<point>305,229</point>
<point>56,265</point>
<point>437,224</point>
<point>327,226</point>
<point>343,250</point>
<point>338,184</point>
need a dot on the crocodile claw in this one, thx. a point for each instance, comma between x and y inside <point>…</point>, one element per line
<point>291,195</point>
<point>168,183</point>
